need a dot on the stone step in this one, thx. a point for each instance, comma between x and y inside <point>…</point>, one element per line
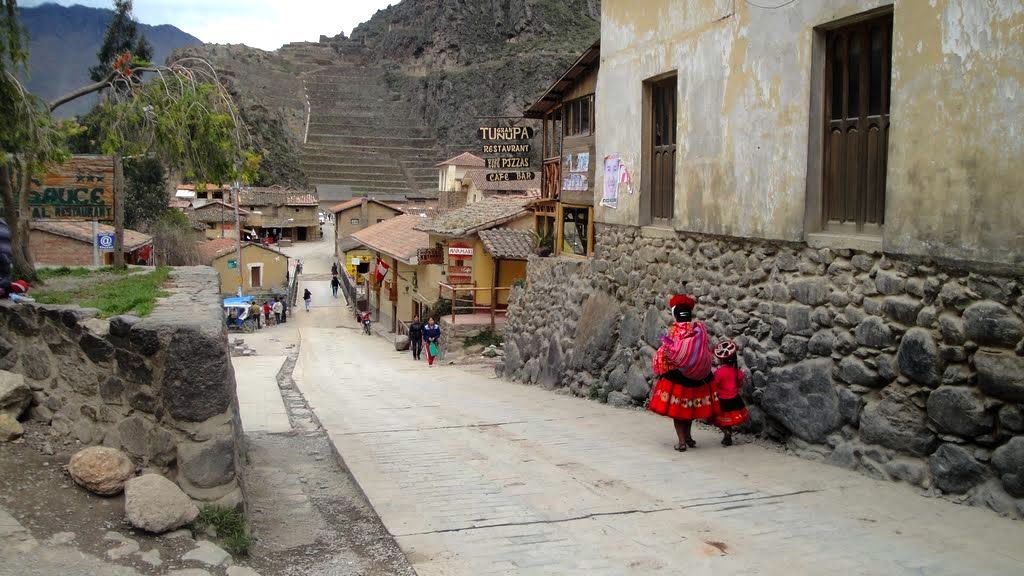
<point>343,166</point>
<point>319,127</point>
<point>361,184</point>
<point>385,140</point>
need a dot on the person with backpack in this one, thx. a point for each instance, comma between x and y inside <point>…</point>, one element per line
<point>307,298</point>
<point>683,367</point>
<point>335,284</point>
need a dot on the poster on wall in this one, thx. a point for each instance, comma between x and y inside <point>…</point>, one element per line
<point>582,162</point>
<point>615,175</point>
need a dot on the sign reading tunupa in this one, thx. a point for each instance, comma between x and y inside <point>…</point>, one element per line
<point>510,176</point>
<point>504,133</point>
<point>80,189</point>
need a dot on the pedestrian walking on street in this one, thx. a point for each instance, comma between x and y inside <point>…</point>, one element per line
<point>683,367</point>
<point>730,411</point>
<point>432,338</point>
<point>334,269</point>
<point>416,338</point>
<point>266,312</point>
<point>256,311</point>
<point>278,309</point>
<point>335,284</point>
<point>307,298</point>
<point>284,309</point>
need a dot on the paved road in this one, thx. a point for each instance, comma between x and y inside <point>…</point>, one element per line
<point>478,476</point>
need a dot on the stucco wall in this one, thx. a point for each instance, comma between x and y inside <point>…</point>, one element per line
<point>744,117</point>
<point>274,268</point>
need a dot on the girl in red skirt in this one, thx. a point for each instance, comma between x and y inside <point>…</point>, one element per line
<point>676,396</point>
<point>730,411</point>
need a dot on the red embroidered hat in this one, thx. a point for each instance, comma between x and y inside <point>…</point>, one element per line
<point>682,300</point>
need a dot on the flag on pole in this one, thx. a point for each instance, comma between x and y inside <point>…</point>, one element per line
<point>381,270</point>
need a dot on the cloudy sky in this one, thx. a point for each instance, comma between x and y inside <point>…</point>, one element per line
<point>264,24</point>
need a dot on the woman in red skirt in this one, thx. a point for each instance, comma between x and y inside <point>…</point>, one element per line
<point>676,396</point>
<point>730,411</point>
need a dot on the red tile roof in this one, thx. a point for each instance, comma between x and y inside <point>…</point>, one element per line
<point>213,249</point>
<point>472,218</point>
<point>82,231</point>
<point>464,159</point>
<point>395,237</point>
<point>356,202</point>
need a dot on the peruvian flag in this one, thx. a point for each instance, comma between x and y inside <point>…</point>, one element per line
<point>381,270</point>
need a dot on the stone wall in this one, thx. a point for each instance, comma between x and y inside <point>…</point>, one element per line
<point>161,388</point>
<point>905,370</point>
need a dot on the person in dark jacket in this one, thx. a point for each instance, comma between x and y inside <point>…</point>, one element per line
<point>432,338</point>
<point>416,338</point>
<point>335,284</point>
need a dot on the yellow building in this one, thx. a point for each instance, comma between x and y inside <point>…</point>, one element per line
<point>482,250</point>
<point>351,217</point>
<point>261,270</point>
<point>217,219</point>
<point>395,242</point>
<point>452,192</point>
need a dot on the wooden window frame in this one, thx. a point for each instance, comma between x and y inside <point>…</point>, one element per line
<point>573,113</point>
<point>660,210</point>
<point>560,230</point>
<point>821,230</point>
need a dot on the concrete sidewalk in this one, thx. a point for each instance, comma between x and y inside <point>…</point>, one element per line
<point>259,399</point>
<point>475,476</point>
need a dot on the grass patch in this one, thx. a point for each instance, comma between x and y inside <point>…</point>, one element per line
<point>136,293</point>
<point>44,274</point>
<point>229,525</point>
<point>485,338</point>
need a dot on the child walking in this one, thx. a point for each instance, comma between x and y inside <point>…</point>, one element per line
<point>730,411</point>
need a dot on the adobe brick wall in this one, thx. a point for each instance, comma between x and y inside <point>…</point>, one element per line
<point>57,250</point>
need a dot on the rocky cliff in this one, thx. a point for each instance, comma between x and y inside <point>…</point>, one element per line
<point>444,63</point>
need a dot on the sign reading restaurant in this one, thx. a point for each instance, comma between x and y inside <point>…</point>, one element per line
<point>80,189</point>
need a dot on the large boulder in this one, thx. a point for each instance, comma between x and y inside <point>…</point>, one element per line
<point>209,464</point>
<point>992,324</point>
<point>637,386</point>
<point>155,504</point>
<point>803,399</point>
<point>960,411</point>
<point>10,428</point>
<point>402,343</point>
<point>1001,375</point>
<point>15,395</point>
<point>1008,460</point>
<point>101,470</point>
<point>874,332</point>
<point>918,357</point>
<point>551,367</point>
<point>954,470</point>
<point>895,422</point>
<point>198,382</point>
<point>595,332</point>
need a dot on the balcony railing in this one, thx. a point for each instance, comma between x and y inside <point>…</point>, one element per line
<point>460,307</point>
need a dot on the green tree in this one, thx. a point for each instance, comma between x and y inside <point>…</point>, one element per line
<point>145,198</point>
<point>30,141</point>
<point>122,37</point>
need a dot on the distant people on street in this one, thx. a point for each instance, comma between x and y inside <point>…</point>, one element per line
<point>416,337</point>
<point>335,284</point>
<point>334,269</point>
<point>267,310</point>
<point>683,367</point>
<point>284,309</point>
<point>730,411</point>
<point>432,338</point>
<point>307,298</point>
<point>278,309</point>
<point>256,311</point>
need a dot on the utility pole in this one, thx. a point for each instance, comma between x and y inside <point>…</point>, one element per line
<point>238,236</point>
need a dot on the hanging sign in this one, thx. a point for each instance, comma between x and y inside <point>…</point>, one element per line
<point>105,241</point>
<point>505,133</point>
<point>506,149</point>
<point>460,251</point>
<point>232,263</point>
<point>511,176</point>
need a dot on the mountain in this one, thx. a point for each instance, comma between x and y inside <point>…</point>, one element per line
<point>64,40</point>
<point>370,114</point>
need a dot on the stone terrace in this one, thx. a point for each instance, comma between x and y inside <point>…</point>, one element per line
<point>362,138</point>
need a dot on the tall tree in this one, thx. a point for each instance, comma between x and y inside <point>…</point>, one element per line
<point>122,37</point>
<point>30,140</point>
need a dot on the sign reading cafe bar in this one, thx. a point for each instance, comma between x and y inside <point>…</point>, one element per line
<point>80,189</point>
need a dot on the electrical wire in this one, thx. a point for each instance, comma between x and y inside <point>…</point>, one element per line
<point>783,5</point>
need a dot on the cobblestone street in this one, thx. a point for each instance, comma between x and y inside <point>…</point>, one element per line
<point>475,475</point>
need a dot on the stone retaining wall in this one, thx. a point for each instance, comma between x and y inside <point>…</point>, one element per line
<point>160,388</point>
<point>904,370</point>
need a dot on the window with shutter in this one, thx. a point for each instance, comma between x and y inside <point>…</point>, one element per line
<point>663,148</point>
<point>858,65</point>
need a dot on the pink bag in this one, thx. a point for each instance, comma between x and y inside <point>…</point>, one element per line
<point>690,353</point>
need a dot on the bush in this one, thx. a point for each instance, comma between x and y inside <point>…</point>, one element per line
<point>174,240</point>
<point>443,307</point>
<point>229,525</point>
<point>485,338</point>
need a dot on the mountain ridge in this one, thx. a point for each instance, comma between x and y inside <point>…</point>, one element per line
<point>64,40</point>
